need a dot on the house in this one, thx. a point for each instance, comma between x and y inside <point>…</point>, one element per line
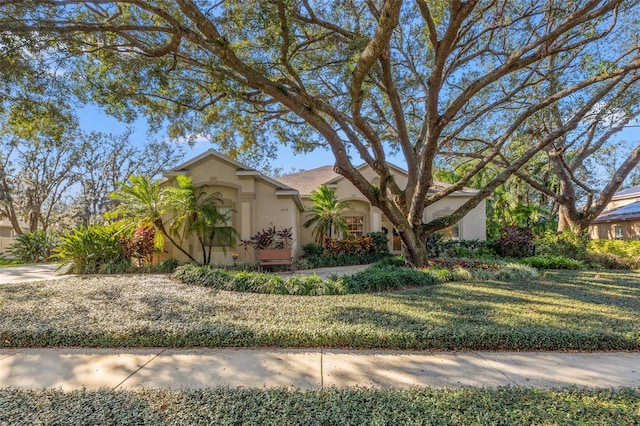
<point>8,234</point>
<point>621,218</point>
<point>257,202</point>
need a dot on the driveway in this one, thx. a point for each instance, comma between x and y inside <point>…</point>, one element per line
<point>21,274</point>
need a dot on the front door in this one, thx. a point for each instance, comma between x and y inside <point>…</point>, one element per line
<point>395,243</point>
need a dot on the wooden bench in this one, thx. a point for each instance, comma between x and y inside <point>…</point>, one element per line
<point>275,257</point>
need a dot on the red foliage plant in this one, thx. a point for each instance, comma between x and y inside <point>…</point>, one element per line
<point>141,245</point>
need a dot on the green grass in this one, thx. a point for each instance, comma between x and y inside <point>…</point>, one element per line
<point>223,406</point>
<point>571,310</point>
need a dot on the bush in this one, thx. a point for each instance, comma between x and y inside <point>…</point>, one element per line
<point>514,242</point>
<point>93,249</point>
<point>32,247</point>
<point>383,278</point>
<point>270,238</point>
<point>380,243</point>
<point>141,245</point>
<point>326,261</point>
<point>168,266</point>
<point>255,282</point>
<point>354,246</point>
<point>609,261</point>
<point>312,250</point>
<point>468,249</point>
<point>571,244</point>
<point>434,244</point>
<point>627,250</point>
<point>547,261</point>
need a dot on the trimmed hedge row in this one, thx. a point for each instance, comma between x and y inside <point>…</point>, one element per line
<point>377,278</point>
<point>383,276</point>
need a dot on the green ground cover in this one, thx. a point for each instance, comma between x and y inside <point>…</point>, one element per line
<point>222,406</point>
<point>561,310</point>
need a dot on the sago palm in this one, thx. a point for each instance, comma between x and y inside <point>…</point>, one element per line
<point>326,214</point>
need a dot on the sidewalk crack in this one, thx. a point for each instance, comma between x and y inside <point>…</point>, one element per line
<point>321,368</point>
<point>140,368</point>
<point>497,369</point>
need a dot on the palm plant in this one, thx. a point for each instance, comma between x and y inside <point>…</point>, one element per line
<point>199,213</point>
<point>142,202</point>
<point>326,214</point>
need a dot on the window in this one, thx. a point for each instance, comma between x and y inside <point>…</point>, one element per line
<point>450,232</point>
<point>355,225</point>
<point>224,228</point>
<point>619,232</point>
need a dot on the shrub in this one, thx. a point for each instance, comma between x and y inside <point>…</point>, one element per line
<point>326,261</point>
<point>93,249</point>
<point>354,246</point>
<point>312,250</point>
<point>32,247</point>
<point>434,244</point>
<point>382,278</point>
<point>380,243</point>
<point>571,244</point>
<point>141,245</point>
<point>629,250</point>
<point>270,238</point>
<point>609,261</point>
<point>168,266</point>
<point>468,249</point>
<point>514,242</point>
<point>547,261</point>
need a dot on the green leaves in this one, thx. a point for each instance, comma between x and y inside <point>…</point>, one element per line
<point>326,214</point>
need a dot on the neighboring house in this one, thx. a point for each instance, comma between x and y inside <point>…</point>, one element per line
<point>8,234</point>
<point>621,218</point>
<point>258,202</point>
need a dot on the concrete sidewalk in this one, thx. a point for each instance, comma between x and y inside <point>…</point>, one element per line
<point>30,273</point>
<point>310,369</point>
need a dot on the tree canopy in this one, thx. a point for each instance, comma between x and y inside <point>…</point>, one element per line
<point>482,81</point>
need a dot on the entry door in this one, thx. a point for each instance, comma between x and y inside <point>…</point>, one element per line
<point>395,243</point>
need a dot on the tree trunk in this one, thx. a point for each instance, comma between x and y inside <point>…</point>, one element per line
<point>415,246</point>
<point>158,223</point>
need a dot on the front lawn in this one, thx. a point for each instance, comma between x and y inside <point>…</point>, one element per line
<point>572,310</point>
<point>223,406</point>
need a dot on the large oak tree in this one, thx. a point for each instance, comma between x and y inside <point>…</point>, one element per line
<point>363,78</point>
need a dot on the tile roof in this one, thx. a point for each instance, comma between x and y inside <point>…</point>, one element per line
<point>634,190</point>
<point>309,180</point>
<point>628,212</point>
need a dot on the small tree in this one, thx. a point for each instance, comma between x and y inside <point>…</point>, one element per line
<point>199,213</point>
<point>326,214</point>
<point>142,202</point>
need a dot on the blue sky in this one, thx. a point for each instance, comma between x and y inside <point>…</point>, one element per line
<point>92,118</point>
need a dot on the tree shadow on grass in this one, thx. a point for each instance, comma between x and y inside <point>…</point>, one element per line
<point>493,316</point>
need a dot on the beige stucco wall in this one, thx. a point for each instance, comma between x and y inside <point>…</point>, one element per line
<point>614,204</point>
<point>607,231</point>
<point>255,207</point>
<point>473,226</point>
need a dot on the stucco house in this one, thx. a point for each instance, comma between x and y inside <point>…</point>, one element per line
<point>8,234</point>
<point>621,219</point>
<point>258,202</point>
